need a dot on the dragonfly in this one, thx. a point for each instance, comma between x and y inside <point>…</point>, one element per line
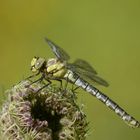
<point>79,73</point>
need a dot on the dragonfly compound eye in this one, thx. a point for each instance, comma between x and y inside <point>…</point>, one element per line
<point>33,62</point>
<point>39,63</point>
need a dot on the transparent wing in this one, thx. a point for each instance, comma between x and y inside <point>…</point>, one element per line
<point>84,65</point>
<point>58,51</point>
<point>88,75</point>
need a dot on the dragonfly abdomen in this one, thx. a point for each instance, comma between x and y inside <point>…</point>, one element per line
<point>113,106</point>
<point>75,79</point>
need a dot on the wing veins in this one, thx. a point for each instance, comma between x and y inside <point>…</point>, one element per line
<point>88,75</point>
<point>58,51</point>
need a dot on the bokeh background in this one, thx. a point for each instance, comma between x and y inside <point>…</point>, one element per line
<point>105,33</point>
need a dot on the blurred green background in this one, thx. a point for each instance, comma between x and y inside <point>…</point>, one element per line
<point>105,33</point>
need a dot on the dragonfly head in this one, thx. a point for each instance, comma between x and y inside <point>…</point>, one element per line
<point>37,64</point>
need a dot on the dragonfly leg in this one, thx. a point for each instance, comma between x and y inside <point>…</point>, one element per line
<point>49,82</point>
<point>74,88</point>
<point>38,80</point>
<point>31,76</point>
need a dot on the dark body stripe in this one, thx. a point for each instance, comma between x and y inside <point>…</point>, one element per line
<point>74,78</point>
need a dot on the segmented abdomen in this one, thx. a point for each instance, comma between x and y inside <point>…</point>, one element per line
<point>74,78</point>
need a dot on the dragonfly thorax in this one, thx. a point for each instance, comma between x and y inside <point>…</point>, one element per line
<point>56,68</point>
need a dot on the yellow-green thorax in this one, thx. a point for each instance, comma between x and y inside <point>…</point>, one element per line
<point>56,68</point>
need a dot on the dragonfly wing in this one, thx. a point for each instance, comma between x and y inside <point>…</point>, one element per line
<point>58,51</point>
<point>84,65</point>
<point>98,80</point>
<point>87,75</point>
